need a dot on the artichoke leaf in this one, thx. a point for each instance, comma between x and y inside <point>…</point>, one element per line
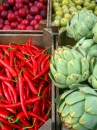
<point>93,81</point>
<point>73,78</point>
<point>65,94</point>
<point>65,111</point>
<point>76,54</point>
<point>61,66</point>
<point>79,127</point>
<point>74,97</point>
<point>68,55</point>
<point>77,109</point>
<point>73,66</point>
<point>91,104</point>
<point>88,22</point>
<point>62,86</point>
<point>87,90</point>
<point>61,107</point>
<point>59,78</point>
<point>79,43</point>
<point>95,71</point>
<point>70,31</point>
<point>52,69</point>
<point>88,120</point>
<point>95,38</point>
<point>85,75</point>
<point>73,121</point>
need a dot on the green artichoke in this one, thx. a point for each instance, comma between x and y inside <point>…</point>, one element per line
<point>81,25</point>
<point>89,46</point>
<point>93,77</point>
<point>78,108</point>
<point>95,33</point>
<point>68,66</point>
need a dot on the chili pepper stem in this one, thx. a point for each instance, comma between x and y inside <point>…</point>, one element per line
<point>25,128</point>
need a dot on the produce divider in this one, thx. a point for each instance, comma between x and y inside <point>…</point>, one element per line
<point>44,39</point>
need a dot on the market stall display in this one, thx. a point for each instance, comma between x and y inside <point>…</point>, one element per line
<point>73,70</point>
<point>22,14</point>
<point>26,89</point>
<point>63,10</point>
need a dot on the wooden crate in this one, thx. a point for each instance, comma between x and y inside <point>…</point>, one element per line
<point>43,24</point>
<point>44,39</point>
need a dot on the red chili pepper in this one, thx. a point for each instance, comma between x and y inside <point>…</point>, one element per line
<point>2,71</point>
<point>41,57</point>
<point>31,85</point>
<point>35,65</point>
<point>35,48</point>
<point>5,51</point>
<point>26,124</point>
<point>4,114</point>
<point>47,67</point>
<point>45,91</point>
<point>8,74</point>
<point>30,42</point>
<point>12,89</point>
<point>28,75</point>
<point>4,126</point>
<point>41,86</point>
<point>22,50</point>
<point>22,115</point>
<point>18,104</point>
<point>44,61</point>
<point>10,124</point>
<point>46,76</point>
<point>11,95</point>
<point>11,110</point>
<point>28,94</point>
<point>4,78</point>
<point>6,92</point>
<point>20,56</point>
<point>49,91</point>
<point>36,125</point>
<point>1,91</point>
<point>12,71</point>
<point>21,91</point>
<point>1,54</point>
<point>11,57</point>
<point>4,101</point>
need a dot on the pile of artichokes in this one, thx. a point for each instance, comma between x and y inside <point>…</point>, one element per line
<point>74,68</point>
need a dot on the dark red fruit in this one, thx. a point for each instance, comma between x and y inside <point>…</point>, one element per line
<point>29,28</point>
<point>33,22</point>
<point>21,27</point>
<point>11,17</point>
<point>7,27</point>
<point>34,10</point>
<point>4,14</point>
<point>22,12</point>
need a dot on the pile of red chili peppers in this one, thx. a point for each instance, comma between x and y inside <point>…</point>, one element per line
<point>25,87</point>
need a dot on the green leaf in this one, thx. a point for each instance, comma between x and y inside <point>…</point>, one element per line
<point>74,97</point>
<point>91,104</point>
<point>77,109</point>
<point>88,120</point>
<point>79,127</point>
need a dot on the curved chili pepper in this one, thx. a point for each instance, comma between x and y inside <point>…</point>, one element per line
<point>26,124</point>
<point>22,50</point>
<point>41,57</point>
<point>6,92</point>
<point>11,110</point>
<point>12,89</point>
<point>10,124</point>
<point>4,126</point>
<point>12,71</point>
<point>20,56</point>
<point>35,65</point>
<point>27,102</point>
<point>47,67</point>
<point>22,115</point>
<point>35,48</point>
<point>21,91</point>
<point>44,61</point>
<point>5,51</point>
<point>4,114</point>
<point>31,85</point>
<point>41,86</point>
